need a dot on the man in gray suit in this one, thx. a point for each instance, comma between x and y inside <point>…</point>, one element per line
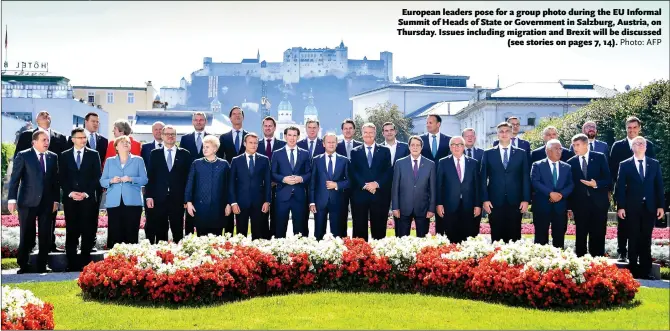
<point>413,190</point>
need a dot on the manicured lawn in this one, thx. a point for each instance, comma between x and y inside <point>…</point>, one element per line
<point>334,310</point>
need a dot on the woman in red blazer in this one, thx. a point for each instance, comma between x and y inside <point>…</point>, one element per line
<point>122,128</point>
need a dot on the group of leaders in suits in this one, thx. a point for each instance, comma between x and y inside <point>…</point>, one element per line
<point>242,178</point>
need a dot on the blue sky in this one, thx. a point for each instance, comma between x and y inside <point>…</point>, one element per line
<point>128,43</point>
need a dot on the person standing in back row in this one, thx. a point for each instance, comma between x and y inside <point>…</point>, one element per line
<point>232,145</point>
<point>193,142</point>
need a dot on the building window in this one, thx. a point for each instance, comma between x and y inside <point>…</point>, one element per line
<point>531,119</point>
<point>131,97</point>
<point>91,97</point>
<point>110,97</point>
<point>50,93</point>
<point>77,121</point>
<point>29,93</point>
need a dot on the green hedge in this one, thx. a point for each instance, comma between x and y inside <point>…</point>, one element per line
<point>7,154</point>
<point>651,104</point>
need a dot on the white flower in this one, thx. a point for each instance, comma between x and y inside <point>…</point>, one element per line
<point>14,302</point>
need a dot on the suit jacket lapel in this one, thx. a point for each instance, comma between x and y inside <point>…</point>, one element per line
<point>546,170</point>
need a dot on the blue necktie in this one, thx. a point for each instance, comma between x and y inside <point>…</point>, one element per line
<point>641,169</point>
<point>505,158</point>
<point>91,141</point>
<point>369,157</point>
<point>292,160</point>
<point>251,165</point>
<point>169,159</point>
<point>311,148</point>
<point>78,159</point>
<point>198,143</point>
<point>590,146</point>
<point>434,146</point>
<point>554,175</point>
<point>237,142</point>
<point>584,165</point>
<point>469,153</point>
<point>330,166</point>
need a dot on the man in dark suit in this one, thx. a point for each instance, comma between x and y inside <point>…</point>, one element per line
<point>345,147</point>
<point>269,145</point>
<point>33,188</point>
<point>516,140</point>
<point>398,150</point>
<point>470,137</point>
<point>314,145</point>
<point>414,191</point>
<point>291,170</point>
<point>157,131</point>
<point>591,131</point>
<point>589,201</point>
<point>540,153</point>
<point>57,144</point>
<point>232,145</point>
<point>640,201</point>
<point>192,142</point>
<point>458,199</point>
<point>552,180</point>
<point>505,186</point>
<point>435,144</point>
<point>330,178</point>
<point>250,189</point>
<point>168,173</point>
<point>370,175</point>
<point>79,171</point>
<point>622,150</point>
<point>98,143</point>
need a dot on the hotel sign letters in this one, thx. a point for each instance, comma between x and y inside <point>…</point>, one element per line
<point>25,68</point>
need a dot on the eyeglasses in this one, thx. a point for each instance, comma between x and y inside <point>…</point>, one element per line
<point>170,134</point>
<point>515,124</point>
<point>456,145</point>
<point>78,137</point>
<point>640,144</point>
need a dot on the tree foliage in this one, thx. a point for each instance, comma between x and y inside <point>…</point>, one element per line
<point>381,114</point>
<point>8,150</point>
<point>651,104</point>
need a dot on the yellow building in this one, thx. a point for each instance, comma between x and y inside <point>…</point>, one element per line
<point>119,102</point>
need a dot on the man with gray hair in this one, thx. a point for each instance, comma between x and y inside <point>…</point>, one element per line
<point>539,153</point>
<point>551,179</point>
<point>168,172</point>
<point>157,131</point>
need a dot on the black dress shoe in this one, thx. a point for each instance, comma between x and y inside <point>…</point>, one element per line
<point>43,270</point>
<point>57,250</point>
<point>94,249</point>
<point>22,271</point>
<point>622,258</point>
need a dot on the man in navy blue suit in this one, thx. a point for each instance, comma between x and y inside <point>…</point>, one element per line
<point>552,180</point>
<point>458,198</point>
<point>268,146</point>
<point>291,170</point>
<point>591,131</point>
<point>250,189</point>
<point>398,150</point>
<point>622,150</point>
<point>414,191</point>
<point>589,201</point>
<point>344,147</point>
<point>314,145</point>
<point>640,201</point>
<point>156,130</point>
<point>370,174</point>
<point>505,186</point>
<point>232,145</point>
<point>540,153</point>
<point>470,137</point>
<point>435,147</point>
<point>516,141</point>
<point>192,142</point>
<point>330,178</point>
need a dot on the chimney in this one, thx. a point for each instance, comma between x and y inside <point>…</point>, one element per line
<point>149,83</point>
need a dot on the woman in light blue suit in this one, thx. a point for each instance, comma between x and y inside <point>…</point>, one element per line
<point>123,176</point>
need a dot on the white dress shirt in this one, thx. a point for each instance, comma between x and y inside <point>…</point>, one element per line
<point>249,156</point>
<point>460,164</point>
<point>81,159</point>
<point>392,148</point>
<point>430,141</point>
<point>502,152</point>
<point>644,165</point>
<point>630,143</point>
<point>265,142</point>
<point>161,145</point>
<point>235,136</point>
<point>295,153</point>
<point>418,159</point>
<point>88,135</point>
<point>313,147</point>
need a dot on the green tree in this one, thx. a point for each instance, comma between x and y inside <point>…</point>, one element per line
<point>381,114</point>
<point>651,104</point>
<point>8,150</point>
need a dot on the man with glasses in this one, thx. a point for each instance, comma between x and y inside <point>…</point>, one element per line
<point>168,172</point>
<point>157,131</point>
<point>590,130</point>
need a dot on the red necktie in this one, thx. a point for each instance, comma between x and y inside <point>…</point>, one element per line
<point>458,169</point>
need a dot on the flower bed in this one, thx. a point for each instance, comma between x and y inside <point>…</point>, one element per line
<point>21,310</point>
<point>208,269</point>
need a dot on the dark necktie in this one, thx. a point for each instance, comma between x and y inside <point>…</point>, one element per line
<point>160,145</point>
<point>505,158</point>
<point>513,139</point>
<point>591,146</point>
<point>42,165</point>
<point>641,169</point>
<point>78,159</point>
<point>251,164</point>
<point>554,174</point>
<point>268,149</point>
<point>330,166</point>
<point>237,142</point>
<point>369,157</point>
<point>292,159</point>
<point>469,153</point>
<point>311,148</point>
<point>584,165</point>
<point>416,168</point>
